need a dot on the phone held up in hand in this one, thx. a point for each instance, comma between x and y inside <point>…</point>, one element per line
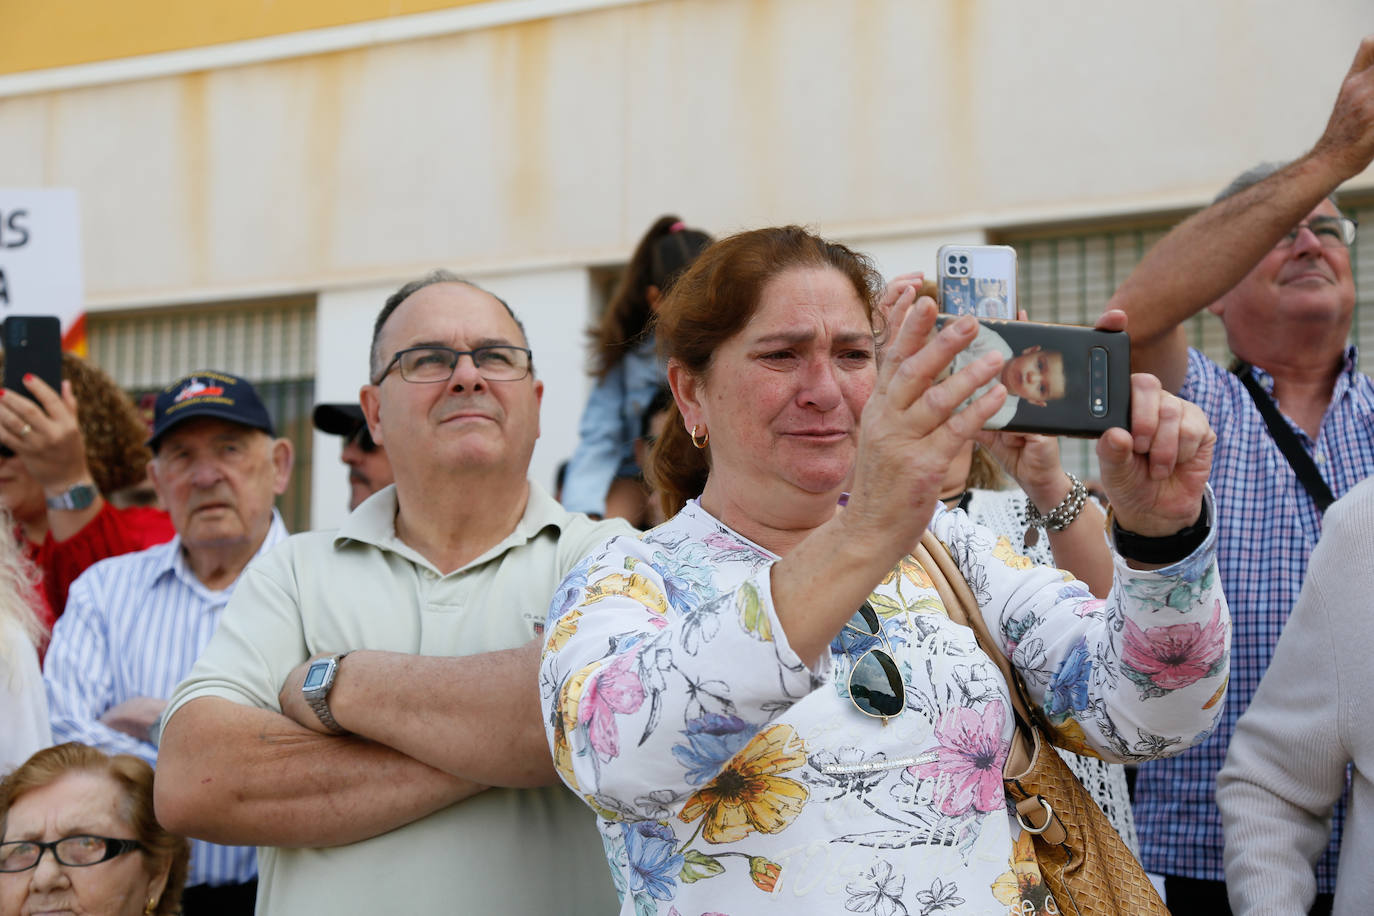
<point>978,280</point>
<point>1061,380</point>
<point>33,346</point>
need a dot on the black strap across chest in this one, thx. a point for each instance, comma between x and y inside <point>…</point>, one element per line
<point>1286,440</point>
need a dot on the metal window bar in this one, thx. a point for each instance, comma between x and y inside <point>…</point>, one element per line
<point>269,342</point>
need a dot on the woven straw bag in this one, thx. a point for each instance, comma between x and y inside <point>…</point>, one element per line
<point>1082,859</point>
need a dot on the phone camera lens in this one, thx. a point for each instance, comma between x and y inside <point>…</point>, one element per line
<point>963,259</point>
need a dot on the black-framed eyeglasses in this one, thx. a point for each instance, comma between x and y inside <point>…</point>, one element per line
<point>1331,231</point>
<point>875,685</point>
<point>362,437</point>
<point>422,365</point>
<point>75,851</point>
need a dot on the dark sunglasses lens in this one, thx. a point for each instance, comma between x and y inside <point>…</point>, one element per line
<point>875,684</point>
<point>865,620</point>
<point>365,440</point>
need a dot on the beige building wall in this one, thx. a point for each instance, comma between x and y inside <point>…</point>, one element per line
<point>528,141</point>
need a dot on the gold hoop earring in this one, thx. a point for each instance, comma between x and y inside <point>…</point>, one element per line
<point>705,437</point>
<point>151,908</point>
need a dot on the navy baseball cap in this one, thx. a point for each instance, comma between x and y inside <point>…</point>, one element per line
<point>338,419</point>
<point>208,394</point>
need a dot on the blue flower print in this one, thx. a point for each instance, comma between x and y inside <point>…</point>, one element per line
<point>712,741</point>
<point>1068,689</point>
<point>653,863</point>
<point>569,591</point>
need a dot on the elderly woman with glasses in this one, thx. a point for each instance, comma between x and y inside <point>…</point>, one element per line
<point>79,836</point>
<point>764,700</point>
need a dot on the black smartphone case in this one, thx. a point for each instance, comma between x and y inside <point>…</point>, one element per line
<point>33,345</point>
<point>1096,376</point>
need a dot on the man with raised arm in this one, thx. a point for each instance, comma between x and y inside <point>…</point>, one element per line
<point>368,713</point>
<point>1271,259</point>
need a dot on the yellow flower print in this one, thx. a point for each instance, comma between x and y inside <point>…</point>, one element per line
<point>1023,884</point>
<point>1008,555</point>
<point>567,721</point>
<point>912,571</point>
<point>748,794</point>
<point>562,631</point>
<point>633,586</point>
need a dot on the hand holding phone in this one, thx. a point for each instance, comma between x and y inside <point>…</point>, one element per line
<point>33,346</point>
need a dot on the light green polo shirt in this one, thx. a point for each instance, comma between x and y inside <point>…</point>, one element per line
<point>516,851</point>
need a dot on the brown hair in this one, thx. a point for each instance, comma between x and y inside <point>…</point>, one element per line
<point>984,473</point>
<point>712,302</point>
<point>135,779</point>
<point>110,424</point>
<point>664,252</point>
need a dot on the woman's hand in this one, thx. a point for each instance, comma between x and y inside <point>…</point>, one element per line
<point>45,435</point>
<point>1154,475</point>
<point>912,427</point>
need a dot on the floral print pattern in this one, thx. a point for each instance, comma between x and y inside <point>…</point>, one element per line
<point>731,776</point>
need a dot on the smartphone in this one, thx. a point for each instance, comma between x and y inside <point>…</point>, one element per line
<point>1061,380</point>
<point>33,345</point>
<point>978,280</point>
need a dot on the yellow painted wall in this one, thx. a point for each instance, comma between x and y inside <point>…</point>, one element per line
<point>40,34</point>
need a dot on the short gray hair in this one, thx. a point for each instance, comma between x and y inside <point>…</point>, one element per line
<point>432,278</point>
<point>1254,175</point>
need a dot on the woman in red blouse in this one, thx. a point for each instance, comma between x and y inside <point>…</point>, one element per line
<point>67,452</point>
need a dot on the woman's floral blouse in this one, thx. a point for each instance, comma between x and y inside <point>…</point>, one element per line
<point>731,778</point>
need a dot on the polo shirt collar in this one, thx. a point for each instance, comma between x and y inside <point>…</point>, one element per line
<point>374,523</point>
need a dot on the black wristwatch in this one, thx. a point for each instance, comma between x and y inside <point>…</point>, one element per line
<point>74,498</point>
<point>319,678</point>
<point>1165,550</point>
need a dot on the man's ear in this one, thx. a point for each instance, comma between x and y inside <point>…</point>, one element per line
<point>372,411</point>
<point>687,390</point>
<point>539,403</point>
<point>152,472</point>
<point>283,455</point>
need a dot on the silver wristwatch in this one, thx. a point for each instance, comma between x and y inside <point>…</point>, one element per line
<point>319,678</point>
<point>74,498</point>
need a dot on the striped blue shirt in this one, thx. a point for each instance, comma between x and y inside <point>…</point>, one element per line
<point>1268,528</point>
<point>133,627</point>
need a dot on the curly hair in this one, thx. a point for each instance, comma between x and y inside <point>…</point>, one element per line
<point>111,427</point>
<point>135,780</point>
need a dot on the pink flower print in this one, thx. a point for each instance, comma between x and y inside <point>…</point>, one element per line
<point>615,690</point>
<point>1086,608</point>
<point>968,769</point>
<point>1162,659</point>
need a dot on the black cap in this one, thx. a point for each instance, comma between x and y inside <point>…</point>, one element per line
<point>209,394</point>
<point>338,419</point>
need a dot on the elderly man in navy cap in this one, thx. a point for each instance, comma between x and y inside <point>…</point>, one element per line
<point>135,624</point>
<point>368,467</point>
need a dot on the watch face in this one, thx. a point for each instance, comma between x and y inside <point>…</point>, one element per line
<point>315,676</point>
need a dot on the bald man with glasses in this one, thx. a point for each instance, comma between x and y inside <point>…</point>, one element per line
<point>370,715</point>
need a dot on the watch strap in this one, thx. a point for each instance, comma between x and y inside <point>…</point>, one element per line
<point>74,498</point>
<point>319,699</point>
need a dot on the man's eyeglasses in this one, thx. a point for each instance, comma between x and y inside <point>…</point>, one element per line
<point>423,365</point>
<point>76,851</point>
<point>1331,231</point>
<point>362,438</point>
<point>875,685</point>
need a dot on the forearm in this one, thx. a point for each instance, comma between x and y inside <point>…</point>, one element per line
<point>1210,252</point>
<point>238,775</point>
<point>474,716</point>
<point>1082,549</point>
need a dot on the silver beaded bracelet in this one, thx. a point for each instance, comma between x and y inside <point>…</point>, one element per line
<point>1058,518</point>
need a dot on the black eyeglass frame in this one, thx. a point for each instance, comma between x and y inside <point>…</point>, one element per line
<point>883,656</point>
<point>114,848</point>
<point>457,355</point>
